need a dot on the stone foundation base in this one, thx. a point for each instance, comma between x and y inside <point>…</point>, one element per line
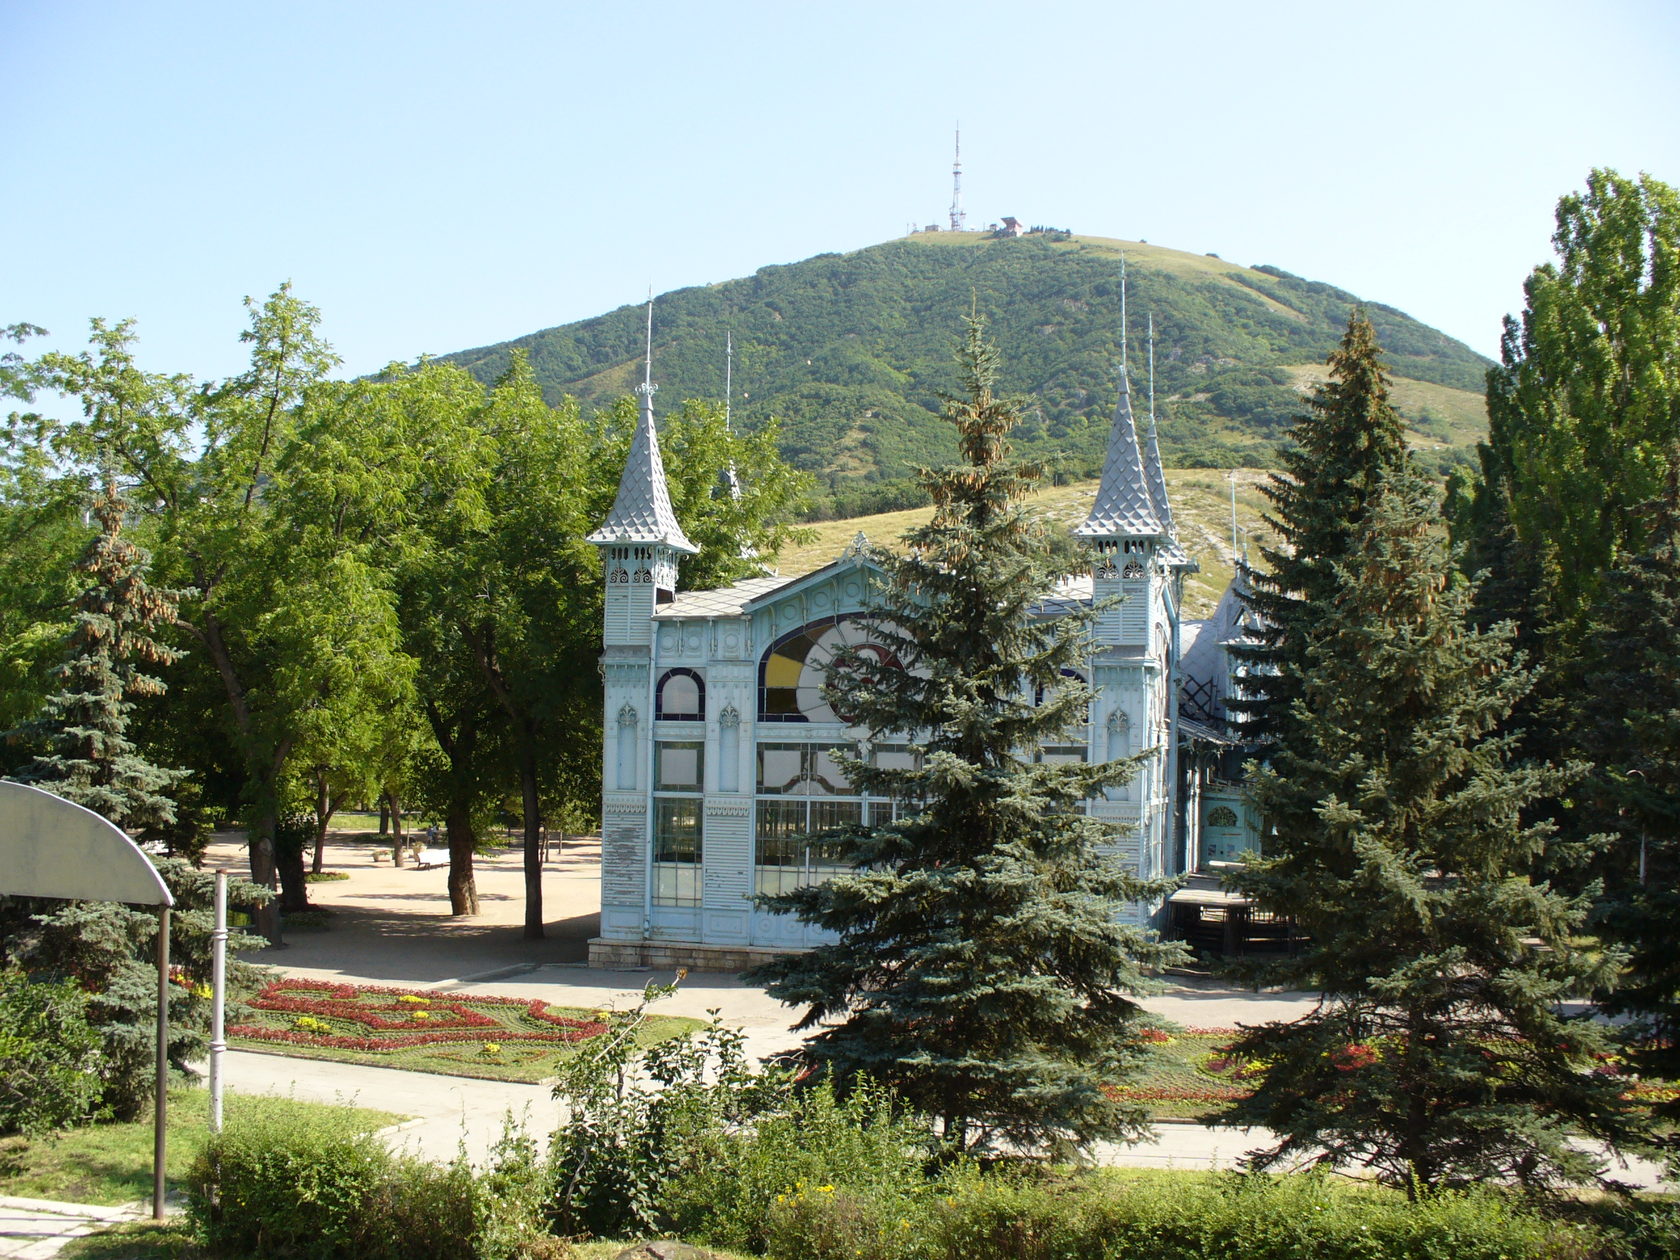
<point>669,955</point>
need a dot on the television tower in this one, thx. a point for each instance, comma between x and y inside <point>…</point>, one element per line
<point>957,215</point>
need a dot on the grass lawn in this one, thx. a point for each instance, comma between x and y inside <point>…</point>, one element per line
<point>456,1034</point>
<point>109,1164</point>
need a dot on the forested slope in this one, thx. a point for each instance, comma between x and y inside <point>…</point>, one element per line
<point>851,351</point>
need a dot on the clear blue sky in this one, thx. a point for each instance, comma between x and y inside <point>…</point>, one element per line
<point>437,176</point>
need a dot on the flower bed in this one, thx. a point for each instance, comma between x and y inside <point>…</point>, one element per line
<point>413,1028</point>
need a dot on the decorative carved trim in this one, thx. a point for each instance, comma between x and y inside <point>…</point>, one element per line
<point>627,716</point>
<point>729,716</point>
<point>1118,721</point>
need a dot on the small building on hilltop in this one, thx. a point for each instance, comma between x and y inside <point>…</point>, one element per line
<point>719,747</point>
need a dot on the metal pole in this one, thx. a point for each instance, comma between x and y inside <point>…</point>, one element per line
<point>218,997</point>
<point>160,1109</point>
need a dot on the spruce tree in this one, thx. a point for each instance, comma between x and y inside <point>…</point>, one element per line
<point>1338,454</point>
<point>1629,723</point>
<point>86,755</point>
<point>1438,1054</point>
<point>981,969</point>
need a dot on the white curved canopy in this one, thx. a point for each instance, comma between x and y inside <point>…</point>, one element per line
<point>51,847</point>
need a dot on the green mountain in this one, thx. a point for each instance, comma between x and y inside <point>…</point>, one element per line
<point>851,352</point>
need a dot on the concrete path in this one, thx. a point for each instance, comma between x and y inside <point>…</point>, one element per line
<point>37,1229</point>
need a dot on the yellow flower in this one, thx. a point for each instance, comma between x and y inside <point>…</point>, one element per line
<point>492,1047</point>
<point>422,1014</point>
<point>825,1189</point>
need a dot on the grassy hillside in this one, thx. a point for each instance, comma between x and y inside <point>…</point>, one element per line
<point>851,352</point>
<point>1201,499</point>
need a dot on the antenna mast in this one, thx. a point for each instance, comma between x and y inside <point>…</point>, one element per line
<point>957,215</point>
<point>728,375</point>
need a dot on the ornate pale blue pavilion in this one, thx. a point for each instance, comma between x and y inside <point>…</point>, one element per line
<point>718,750</point>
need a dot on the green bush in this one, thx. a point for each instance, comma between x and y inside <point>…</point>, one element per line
<point>1098,1216</point>
<point>325,1189</point>
<point>49,1055</point>
<point>735,1185</point>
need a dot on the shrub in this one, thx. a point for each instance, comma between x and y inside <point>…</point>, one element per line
<point>316,1189</point>
<point>324,1189</point>
<point>742,1189</point>
<point>1037,1215</point>
<point>110,950</point>
<point>636,1119</point>
<point>49,1055</point>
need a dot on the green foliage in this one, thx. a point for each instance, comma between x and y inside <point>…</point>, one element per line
<point>1028,1215</point>
<point>1337,455</point>
<point>735,1186</point>
<point>1628,721</point>
<point>1585,403</point>
<point>110,951</point>
<point>848,351</point>
<point>85,754</point>
<point>638,1118</point>
<point>321,1187</point>
<point>979,970</point>
<point>49,1055</point>
<point>1439,1055</point>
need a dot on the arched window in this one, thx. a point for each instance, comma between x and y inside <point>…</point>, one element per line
<point>681,696</point>
<point>792,672</point>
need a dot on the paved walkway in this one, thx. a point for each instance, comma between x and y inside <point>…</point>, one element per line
<point>37,1229</point>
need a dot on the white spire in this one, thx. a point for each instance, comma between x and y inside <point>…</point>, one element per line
<point>1172,553</point>
<point>1125,507</point>
<point>642,512</point>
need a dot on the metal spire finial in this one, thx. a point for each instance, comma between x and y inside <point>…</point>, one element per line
<point>647,360</point>
<point>728,375</point>
<point>1152,371</point>
<point>1122,312</point>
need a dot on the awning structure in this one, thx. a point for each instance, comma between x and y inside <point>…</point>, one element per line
<point>51,847</point>
<point>1189,728</point>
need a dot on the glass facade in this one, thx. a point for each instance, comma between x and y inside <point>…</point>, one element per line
<point>679,774</point>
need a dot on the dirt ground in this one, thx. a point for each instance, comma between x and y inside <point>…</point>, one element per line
<point>392,925</point>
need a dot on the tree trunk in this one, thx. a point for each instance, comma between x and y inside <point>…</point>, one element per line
<point>392,809</point>
<point>294,889</point>
<point>533,836</point>
<point>463,886</point>
<point>324,807</point>
<point>384,819</point>
<point>260,846</point>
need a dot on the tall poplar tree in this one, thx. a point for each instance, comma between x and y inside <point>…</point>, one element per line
<point>1438,1054</point>
<point>981,968</point>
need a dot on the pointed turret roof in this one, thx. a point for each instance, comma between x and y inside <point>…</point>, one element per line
<point>1156,477</point>
<point>1124,506</point>
<point>642,511</point>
